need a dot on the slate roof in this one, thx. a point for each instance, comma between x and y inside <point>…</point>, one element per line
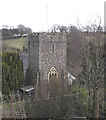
<point>27,88</point>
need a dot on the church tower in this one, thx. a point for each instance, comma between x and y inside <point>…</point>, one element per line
<point>47,56</point>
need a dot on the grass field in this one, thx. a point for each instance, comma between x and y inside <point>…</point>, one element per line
<point>14,44</point>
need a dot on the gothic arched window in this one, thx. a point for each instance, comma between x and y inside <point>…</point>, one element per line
<point>52,73</point>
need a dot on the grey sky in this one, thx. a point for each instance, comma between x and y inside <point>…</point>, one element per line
<point>40,15</point>
<point>105,13</point>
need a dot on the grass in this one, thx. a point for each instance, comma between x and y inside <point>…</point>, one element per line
<point>16,103</point>
<point>14,44</point>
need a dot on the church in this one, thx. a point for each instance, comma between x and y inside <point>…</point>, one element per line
<point>47,59</point>
<point>47,56</point>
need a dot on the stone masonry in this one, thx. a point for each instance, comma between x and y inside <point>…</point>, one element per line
<point>46,51</point>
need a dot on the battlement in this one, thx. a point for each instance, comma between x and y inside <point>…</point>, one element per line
<point>48,36</point>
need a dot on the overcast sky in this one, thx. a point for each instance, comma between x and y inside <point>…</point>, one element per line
<point>40,15</point>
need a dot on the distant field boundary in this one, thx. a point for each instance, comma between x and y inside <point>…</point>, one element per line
<point>12,37</point>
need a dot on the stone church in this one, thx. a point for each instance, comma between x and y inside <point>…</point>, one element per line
<point>47,56</point>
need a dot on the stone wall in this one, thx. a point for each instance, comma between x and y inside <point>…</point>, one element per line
<point>33,56</point>
<point>52,53</point>
<point>47,50</point>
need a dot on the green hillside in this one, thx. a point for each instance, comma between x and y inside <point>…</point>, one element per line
<point>18,45</point>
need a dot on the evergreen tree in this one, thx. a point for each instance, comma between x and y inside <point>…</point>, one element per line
<point>12,72</point>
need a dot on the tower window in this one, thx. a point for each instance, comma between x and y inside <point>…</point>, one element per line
<point>53,48</point>
<point>55,75</point>
<point>52,74</point>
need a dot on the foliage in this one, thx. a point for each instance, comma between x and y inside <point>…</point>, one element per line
<point>54,87</point>
<point>13,108</point>
<point>11,33</point>
<point>92,76</point>
<point>75,39</point>
<point>12,72</point>
<point>24,49</point>
<point>77,104</point>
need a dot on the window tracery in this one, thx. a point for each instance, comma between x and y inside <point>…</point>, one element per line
<point>52,73</point>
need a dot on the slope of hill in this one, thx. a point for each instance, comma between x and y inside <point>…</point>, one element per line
<point>18,45</point>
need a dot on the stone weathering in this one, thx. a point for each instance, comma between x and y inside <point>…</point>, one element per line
<point>47,56</point>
